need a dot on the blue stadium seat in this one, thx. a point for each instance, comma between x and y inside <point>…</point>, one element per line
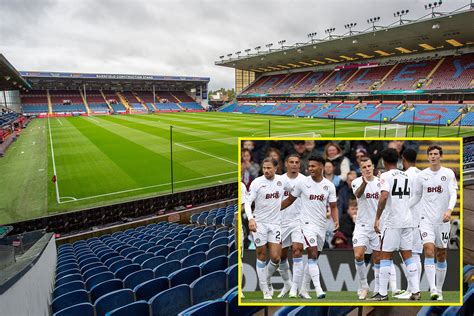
<point>113,301</point>
<point>180,237</point>
<point>163,241</point>
<point>67,272</point>
<point>309,311</point>
<point>66,267</point>
<point>119,264</point>
<point>167,268</point>
<point>98,278</point>
<point>220,234</point>
<point>68,278</point>
<point>82,309</point>
<point>233,258</point>
<point>142,258</point>
<point>126,251</point>
<point>184,276</point>
<point>164,252</point>
<point>147,246</point>
<point>221,250</point>
<point>185,245</point>
<point>148,289</point>
<point>203,240</point>
<point>91,272</point>
<point>109,255</point>
<point>69,299</point>
<point>134,254</point>
<point>138,277</point>
<point>123,272</point>
<point>431,310</point>
<point>193,259</point>
<point>177,255</point>
<point>232,276</point>
<point>139,308</point>
<point>198,248</point>
<point>153,262</point>
<point>216,307</point>
<point>112,260</point>
<point>208,287</point>
<point>105,287</point>
<point>214,264</point>
<point>179,295</point>
<point>232,299</point>
<point>68,287</point>
<point>284,310</point>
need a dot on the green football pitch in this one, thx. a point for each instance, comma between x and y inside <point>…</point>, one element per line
<point>107,159</point>
<point>345,297</point>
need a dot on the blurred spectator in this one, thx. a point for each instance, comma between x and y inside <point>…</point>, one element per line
<point>339,241</point>
<point>329,174</point>
<point>359,154</point>
<point>398,146</point>
<point>372,147</point>
<point>247,162</point>
<point>299,148</point>
<point>245,176</point>
<point>329,229</point>
<point>333,152</point>
<point>345,193</point>
<point>275,155</point>
<point>347,221</point>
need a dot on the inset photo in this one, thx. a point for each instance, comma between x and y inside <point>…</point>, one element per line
<point>357,222</point>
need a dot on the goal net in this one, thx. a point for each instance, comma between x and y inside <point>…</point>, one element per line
<point>296,135</point>
<point>385,130</point>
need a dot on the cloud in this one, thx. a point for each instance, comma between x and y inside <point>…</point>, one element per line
<point>170,37</point>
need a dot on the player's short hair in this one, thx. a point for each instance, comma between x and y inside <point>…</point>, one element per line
<point>433,147</point>
<point>365,159</point>
<point>317,158</point>
<point>270,160</point>
<point>293,156</point>
<point>390,155</point>
<point>410,155</point>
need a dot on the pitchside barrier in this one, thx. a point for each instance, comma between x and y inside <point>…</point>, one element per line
<point>337,272</point>
<point>94,219</point>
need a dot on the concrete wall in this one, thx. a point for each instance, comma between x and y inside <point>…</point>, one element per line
<point>31,294</point>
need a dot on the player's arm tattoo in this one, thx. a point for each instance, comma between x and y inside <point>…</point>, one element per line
<point>360,191</point>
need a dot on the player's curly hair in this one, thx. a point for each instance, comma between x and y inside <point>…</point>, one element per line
<point>433,147</point>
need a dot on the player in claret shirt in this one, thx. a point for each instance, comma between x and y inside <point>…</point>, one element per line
<point>398,227</point>
<point>315,193</point>
<point>267,192</point>
<point>436,190</point>
<point>367,191</point>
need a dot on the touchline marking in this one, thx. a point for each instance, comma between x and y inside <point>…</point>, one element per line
<point>54,164</point>
<point>59,121</point>
<point>148,187</point>
<point>204,153</point>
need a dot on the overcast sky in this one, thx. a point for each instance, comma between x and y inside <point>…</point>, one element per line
<point>171,37</point>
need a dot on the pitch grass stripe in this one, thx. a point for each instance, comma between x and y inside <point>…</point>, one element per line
<point>55,173</point>
<point>85,169</point>
<point>150,187</point>
<point>204,153</point>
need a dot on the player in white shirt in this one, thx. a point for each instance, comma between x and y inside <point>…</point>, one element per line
<point>315,193</point>
<point>436,190</point>
<point>243,198</point>
<point>409,165</point>
<point>291,231</point>
<point>398,230</point>
<point>367,191</point>
<point>267,192</point>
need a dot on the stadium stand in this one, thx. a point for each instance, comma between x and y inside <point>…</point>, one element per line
<point>96,102</point>
<point>430,114</point>
<point>134,103</point>
<point>405,76</point>
<point>285,85</point>
<point>114,101</point>
<point>147,98</point>
<point>365,78</point>
<point>456,72</point>
<point>375,112</point>
<point>336,80</point>
<point>67,101</point>
<point>34,102</point>
<point>468,119</point>
<point>140,268</point>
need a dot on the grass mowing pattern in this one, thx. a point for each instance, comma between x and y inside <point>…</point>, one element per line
<point>107,159</point>
<point>345,297</point>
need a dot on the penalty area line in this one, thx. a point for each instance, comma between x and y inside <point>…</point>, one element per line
<point>205,153</point>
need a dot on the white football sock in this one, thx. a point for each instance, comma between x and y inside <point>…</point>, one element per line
<point>430,271</point>
<point>441,268</point>
<point>412,275</point>
<point>393,277</point>
<point>313,269</point>
<point>376,277</point>
<point>284,270</point>
<point>385,267</point>
<point>262,275</point>
<point>298,272</point>
<point>362,273</point>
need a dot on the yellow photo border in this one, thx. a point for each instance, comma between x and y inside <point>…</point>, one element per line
<point>356,302</point>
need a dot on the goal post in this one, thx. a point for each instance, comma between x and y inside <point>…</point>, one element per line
<point>296,135</point>
<point>386,130</point>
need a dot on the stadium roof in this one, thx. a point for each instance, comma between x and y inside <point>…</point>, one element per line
<point>66,80</point>
<point>10,78</point>
<point>444,32</point>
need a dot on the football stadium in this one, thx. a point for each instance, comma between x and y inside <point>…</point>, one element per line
<point>119,193</point>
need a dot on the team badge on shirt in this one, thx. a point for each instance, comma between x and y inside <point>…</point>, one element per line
<point>279,183</point>
<point>443,178</point>
<point>311,240</point>
<point>325,188</point>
